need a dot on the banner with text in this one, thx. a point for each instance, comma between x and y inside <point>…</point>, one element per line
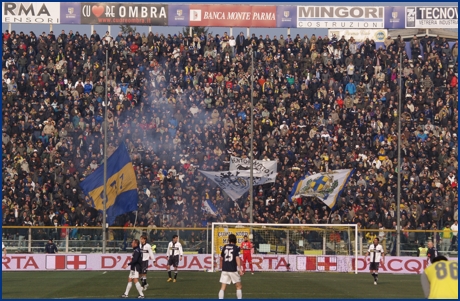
<point>432,17</point>
<point>233,15</point>
<point>260,168</point>
<point>31,12</point>
<point>235,183</point>
<point>360,35</point>
<point>124,13</point>
<point>200,262</point>
<point>221,236</point>
<point>340,17</point>
<point>395,17</point>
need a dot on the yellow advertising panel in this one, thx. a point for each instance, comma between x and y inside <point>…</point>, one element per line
<point>221,236</point>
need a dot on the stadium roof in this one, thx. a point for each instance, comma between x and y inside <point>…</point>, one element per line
<point>407,34</point>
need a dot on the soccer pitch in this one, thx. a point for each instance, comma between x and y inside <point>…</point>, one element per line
<point>201,285</point>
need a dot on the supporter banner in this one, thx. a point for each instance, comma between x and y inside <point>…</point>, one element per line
<point>395,17</point>
<point>260,168</point>
<point>340,17</point>
<point>124,13</point>
<point>360,35</point>
<point>286,16</point>
<point>233,182</point>
<point>221,236</point>
<point>31,12</point>
<point>70,13</point>
<point>326,186</point>
<point>233,15</point>
<point>200,262</point>
<point>208,207</point>
<point>432,17</point>
<point>178,15</point>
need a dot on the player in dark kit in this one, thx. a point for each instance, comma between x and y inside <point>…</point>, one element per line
<point>174,254</point>
<point>135,264</point>
<point>230,263</point>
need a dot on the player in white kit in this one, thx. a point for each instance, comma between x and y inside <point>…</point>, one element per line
<point>147,254</point>
<point>377,254</point>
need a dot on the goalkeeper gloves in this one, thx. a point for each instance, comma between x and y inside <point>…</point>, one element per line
<point>154,248</point>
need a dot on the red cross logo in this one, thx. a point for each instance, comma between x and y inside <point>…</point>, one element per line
<point>76,262</point>
<point>327,263</point>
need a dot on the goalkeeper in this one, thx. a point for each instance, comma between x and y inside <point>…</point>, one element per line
<point>246,247</point>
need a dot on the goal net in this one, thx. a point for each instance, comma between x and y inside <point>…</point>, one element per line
<point>293,247</point>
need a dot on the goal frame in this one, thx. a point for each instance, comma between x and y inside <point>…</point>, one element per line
<point>251,225</point>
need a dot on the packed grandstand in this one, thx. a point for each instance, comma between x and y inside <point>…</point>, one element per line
<point>182,104</point>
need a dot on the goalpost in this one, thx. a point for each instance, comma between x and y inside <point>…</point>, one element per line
<point>293,247</point>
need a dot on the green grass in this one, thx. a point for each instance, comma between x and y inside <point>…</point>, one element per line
<point>201,285</point>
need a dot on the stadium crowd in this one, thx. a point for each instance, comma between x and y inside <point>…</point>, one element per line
<point>182,103</point>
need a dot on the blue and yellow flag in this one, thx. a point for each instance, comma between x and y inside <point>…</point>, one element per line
<point>326,186</point>
<point>122,194</point>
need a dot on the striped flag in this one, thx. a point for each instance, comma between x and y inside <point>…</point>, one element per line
<point>55,262</point>
<point>208,206</point>
<point>66,262</point>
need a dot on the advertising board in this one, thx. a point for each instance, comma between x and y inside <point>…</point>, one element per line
<point>31,12</point>
<point>124,13</point>
<point>340,17</point>
<point>233,15</point>
<point>360,35</point>
<point>199,262</point>
<point>431,17</point>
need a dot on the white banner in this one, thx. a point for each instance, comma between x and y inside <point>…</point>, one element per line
<point>233,182</point>
<point>340,17</point>
<point>360,35</point>
<point>325,185</point>
<point>260,168</point>
<point>201,262</point>
<point>432,17</point>
<point>31,12</point>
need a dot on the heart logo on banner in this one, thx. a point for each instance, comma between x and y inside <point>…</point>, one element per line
<point>97,10</point>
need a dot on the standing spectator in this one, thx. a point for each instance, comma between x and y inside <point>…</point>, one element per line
<point>446,238</point>
<point>432,252</point>
<point>454,228</point>
<point>50,247</point>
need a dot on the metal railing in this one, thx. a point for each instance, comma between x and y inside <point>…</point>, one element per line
<point>196,240</point>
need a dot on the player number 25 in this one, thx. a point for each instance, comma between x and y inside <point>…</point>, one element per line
<point>441,270</point>
<point>228,255</point>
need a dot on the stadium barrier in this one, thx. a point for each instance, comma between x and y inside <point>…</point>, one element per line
<point>80,240</point>
<point>203,262</point>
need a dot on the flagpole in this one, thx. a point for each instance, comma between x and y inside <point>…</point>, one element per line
<point>398,197</point>
<point>104,203</point>
<point>251,167</point>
